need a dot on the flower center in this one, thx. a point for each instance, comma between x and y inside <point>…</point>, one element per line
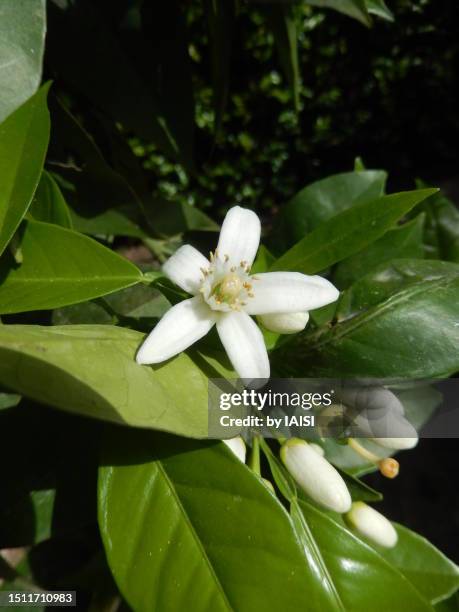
<point>230,287</point>
<point>226,286</point>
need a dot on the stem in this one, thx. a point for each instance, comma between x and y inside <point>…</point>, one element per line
<point>254,461</point>
<point>362,451</point>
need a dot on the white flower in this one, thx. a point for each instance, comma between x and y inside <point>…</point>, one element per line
<point>226,294</point>
<point>371,524</point>
<point>315,475</point>
<point>237,445</point>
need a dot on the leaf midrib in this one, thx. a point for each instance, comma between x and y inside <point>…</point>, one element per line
<point>196,537</point>
<point>340,237</point>
<point>378,310</point>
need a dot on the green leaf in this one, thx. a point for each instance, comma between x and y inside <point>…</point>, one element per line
<point>187,522</point>
<point>441,228</point>
<point>220,18</point>
<point>48,203</point>
<point>9,400</point>
<point>101,201</point>
<point>389,279</point>
<point>281,20</point>
<point>401,323</point>
<point>91,370</point>
<point>361,573</point>
<point>399,243</point>
<point>353,8</point>
<point>172,218</point>
<point>60,267</point>
<point>23,142</point>
<point>431,572</point>
<point>138,306</point>
<point>348,232</point>
<point>359,490</point>
<point>380,9</point>
<point>22,36</point>
<point>326,198</point>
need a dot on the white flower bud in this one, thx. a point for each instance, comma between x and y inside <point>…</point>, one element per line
<point>237,445</point>
<point>315,475</point>
<point>396,443</point>
<point>289,323</point>
<point>317,448</point>
<point>371,524</point>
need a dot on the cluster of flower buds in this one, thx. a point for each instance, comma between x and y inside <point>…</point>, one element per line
<point>317,477</point>
<point>323,484</point>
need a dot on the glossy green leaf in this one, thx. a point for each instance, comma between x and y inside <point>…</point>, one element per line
<point>401,323</point>
<point>326,198</point>
<point>359,490</point>
<point>186,522</point>
<point>348,232</point>
<point>171,218</point>
<point>387,280</point>
<point>22,39</point>
<point>353,8</point>
<point>431,572</point>
<point>140,306</point>
<point>23,142</point>
<point>399,243</point>
<point>100,199</point>
<point>91,370</point>
<point>361,574</point>
<point>48,203</point>
<point>60,267</point>
<point>441,228</point>
<point>281,20</point>
<point>380,9</point>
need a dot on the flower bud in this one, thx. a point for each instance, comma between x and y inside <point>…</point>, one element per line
<point>396,443</point>
<point>315,475</point>
<point>316,447</point>
<point>237,445</point>
<point>371,524</point>
<point>289,323</point>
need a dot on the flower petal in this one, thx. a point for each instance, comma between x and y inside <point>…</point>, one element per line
<point>284,292</point>
<point>244,343</point>
<point>239,236</point>
<point>285,323</point>
<point>180,327</point>
<point>237,445</point>
<point>184,268</point>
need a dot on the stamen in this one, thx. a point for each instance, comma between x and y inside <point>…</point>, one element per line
<point>226,258</point>
<point>233,269</point>
<point>389,467</point>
